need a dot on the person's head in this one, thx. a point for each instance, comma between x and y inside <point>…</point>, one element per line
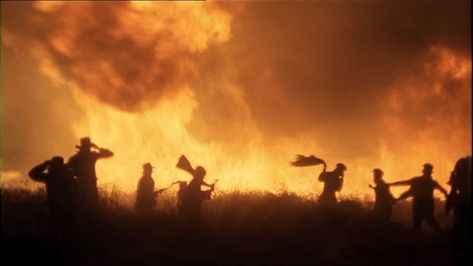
<point>377,175</point>
<point>200,172</point>
<point>85,144</point>
<point>147,169</point>
<point>340,168</point>
<point>427,169</point>
<point>56,163</point>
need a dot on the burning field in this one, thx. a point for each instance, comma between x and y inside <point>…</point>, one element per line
<point>240,88</point>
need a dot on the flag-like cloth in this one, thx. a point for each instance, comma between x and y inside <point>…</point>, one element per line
<point>185,165</point>
<point>302,161</point>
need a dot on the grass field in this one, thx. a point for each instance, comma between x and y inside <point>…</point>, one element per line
<point>239,229</point>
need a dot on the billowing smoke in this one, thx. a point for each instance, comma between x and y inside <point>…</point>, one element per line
<point>243,87</point>
<point>128,55</point>
<point>427,115</point>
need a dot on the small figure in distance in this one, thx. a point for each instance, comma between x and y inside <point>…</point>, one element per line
<point>181,192</point>
<point>422,189</point>
<point>194,196</point>
<point>83,165</point>
<point>60,189</point>
<point>145,194</point>
<point>333,182</point>
<point>459,198</point>
<point>384,200</point>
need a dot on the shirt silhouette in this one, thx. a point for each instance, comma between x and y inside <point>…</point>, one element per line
<point>422,190</point>
<point>145,194</point>
<point>83,165</point>
<point>383,197</point>
<point>60,189</point>
<point>333,182</point>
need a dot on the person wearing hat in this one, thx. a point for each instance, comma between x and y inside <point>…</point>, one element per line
<point>384,200</point>
<point>83,166</point>
<point>333,182</point>
<point>422,190</point>
<point>60,190</point>
<point>145,195</point>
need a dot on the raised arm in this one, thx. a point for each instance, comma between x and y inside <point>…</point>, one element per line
<point>104,153</point>
<point>37,172</point>
<point>401,183</point>
<point>322,174</point>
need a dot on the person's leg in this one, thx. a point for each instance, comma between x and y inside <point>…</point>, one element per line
<point>388,212</point>
<point>430,219</point>
<point>417,218</point>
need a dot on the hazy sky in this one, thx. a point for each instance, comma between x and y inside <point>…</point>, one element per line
<point>355,81</point>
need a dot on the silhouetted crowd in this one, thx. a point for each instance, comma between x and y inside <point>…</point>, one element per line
<point>72,194</point>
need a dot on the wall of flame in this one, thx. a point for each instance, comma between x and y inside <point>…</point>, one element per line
<point>152,81</point>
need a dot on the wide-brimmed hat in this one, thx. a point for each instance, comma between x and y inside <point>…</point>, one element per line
<point>85,142</point>
<point>147,166</point>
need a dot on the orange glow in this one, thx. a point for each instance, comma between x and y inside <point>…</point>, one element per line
<point>132,73</point>
<point>160,135</point>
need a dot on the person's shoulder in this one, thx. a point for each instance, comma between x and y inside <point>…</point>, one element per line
<point>330,173</point>
<point>325,175</point>
<point>73,157</point>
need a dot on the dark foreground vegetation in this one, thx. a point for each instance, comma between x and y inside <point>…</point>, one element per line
<point>239,229</point>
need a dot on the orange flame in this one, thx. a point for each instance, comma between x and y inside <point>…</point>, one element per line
<point>141,109</point>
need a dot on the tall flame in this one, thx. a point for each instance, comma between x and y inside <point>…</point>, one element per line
<point>133,71</point>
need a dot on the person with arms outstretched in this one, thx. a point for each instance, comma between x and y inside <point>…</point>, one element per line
<point>422,190</point>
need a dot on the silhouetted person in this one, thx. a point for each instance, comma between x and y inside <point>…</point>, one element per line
<point>459,199</point>
<point>333,182</point>
<point>83,165</point>
<point>383,205</point>
<point>60,189</point>
<point>194,195</point>
<point>422,190</point>
<point>145,194</point>
<point>181,192</point>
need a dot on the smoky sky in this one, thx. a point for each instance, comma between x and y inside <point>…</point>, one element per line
<point>324,69</point>
<point>111,51</point>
